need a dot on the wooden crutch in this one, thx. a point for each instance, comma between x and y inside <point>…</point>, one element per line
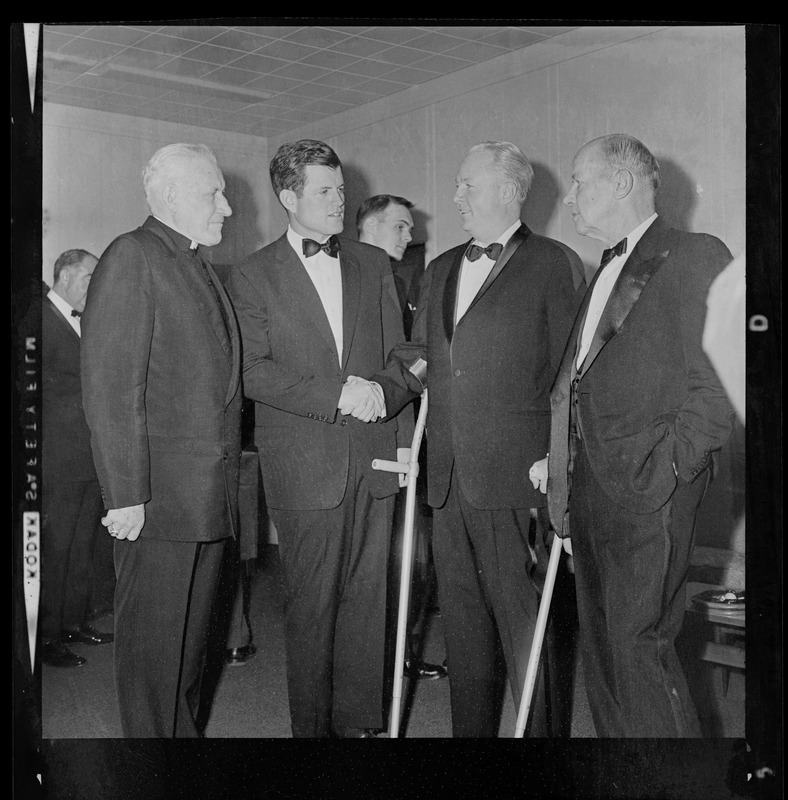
<point>410,471</point>
<point>536,644</point>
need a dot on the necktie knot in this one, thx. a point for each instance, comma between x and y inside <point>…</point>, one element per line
<point>492,251</point>
<point>609,255</point>
<point>75,313</point>
<point>331,247</point>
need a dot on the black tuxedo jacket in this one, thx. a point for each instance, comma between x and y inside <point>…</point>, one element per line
<point>650,407</point>
<point>66,438</point>
<point>292,372</point>
<point>489,377</point>
<point>161,386</point>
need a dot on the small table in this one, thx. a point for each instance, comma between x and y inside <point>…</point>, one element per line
<point>726,628</point>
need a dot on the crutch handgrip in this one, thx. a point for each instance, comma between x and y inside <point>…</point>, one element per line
<point>389,466</point>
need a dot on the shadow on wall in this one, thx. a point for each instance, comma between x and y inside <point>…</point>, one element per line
<point>676,197</point>
<point>357,190</point>
<point>240,234</point>
<point>544,199</point>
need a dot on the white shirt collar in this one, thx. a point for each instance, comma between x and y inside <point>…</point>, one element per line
<point>62,305</point>
<point>635,236</point>
<point>503,238</point>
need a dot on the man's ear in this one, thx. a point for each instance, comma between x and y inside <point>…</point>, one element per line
<point>508,192</point>
<point>170,195</point>
<point>623,183</point>
<point>288,198</point>
<point>370,226</point>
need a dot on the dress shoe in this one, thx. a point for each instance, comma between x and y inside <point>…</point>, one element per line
<point>356,733</point>
<point>86,634</point>
<point>56,654</point>
<point>236,656</point>
<point>423,669</point>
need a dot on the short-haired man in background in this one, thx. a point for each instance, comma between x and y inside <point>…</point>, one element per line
<point>71,495</point>
<point>385,221</point>
<point>637,413</point>
<point>316,314</point>
<point>162,389</point>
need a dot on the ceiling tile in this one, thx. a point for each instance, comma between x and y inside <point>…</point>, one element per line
<point>70,30</point>
<point>476,51</point>
<point>511,38</point>
<point>215,55</point>
<point>360,46</point>
<point>442,64</point>
<point>327,107</point>
<point>401,56</point>
<point>381,87</point>
<point>262,65</point>
<point>241,40</point>
<point>54,41</point>
<point>339,80</point>
<point>411,75</point>
<point>353,96</point>
<point>186,67</point>
<point>159,43</point>
<point>274,31</point>
<point>301,71</point>
<point>309,90</point>
<point>224,104</point>
<point>329,59</point>
<point>231,75</point>
<point>90,49</point>
<point>394,35</point>
<point>117,34</point>
<point>141,59</point>
<point>290,51</point>
<point>317,37</point>
<point>369,68</point>
<point>197,33</point>
<point>472,32</point>
<point>273,83</point>
<point>435,42</point>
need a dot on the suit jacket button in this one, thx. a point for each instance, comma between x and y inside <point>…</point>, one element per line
<point>457,373</point>
<point>225,457</point>
<point>343,422</point>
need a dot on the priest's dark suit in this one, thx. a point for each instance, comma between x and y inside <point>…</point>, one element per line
<point>332,511</point>
<point>162,392</point>
<point>488,383</point>
<point>633,433</point>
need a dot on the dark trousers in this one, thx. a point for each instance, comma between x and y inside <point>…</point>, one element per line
<point>72,515</point>
<point>485,565</point>
<point>630,574</point>
<point>163,599</point>
<point>334,565</point>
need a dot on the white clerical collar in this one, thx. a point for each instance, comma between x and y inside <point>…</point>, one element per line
<point>194,244</point>
<point>635,236</point>
<point>63,306</point>
<point>502,239</point>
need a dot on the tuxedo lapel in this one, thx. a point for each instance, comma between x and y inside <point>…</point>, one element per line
<point>515,240</point>
<point>450,294</point>
<point>636,273</point>
<point>350,300</point>
<point>299,288</point>
<point>61,320</point>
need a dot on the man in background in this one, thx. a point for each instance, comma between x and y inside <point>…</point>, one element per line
<point>637,414</point>
<point>385,221</point>
<point>71,496</point>
<point>317,314</point>
<point>491,323</point>
<point>161,382</point>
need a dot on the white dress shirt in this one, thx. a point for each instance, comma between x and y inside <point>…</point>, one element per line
<point>474,273</point>
<point>604,286</point>
<point>326,275</point>
<point>65,309</point>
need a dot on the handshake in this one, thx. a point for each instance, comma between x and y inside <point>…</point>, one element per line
<point>362,400</point>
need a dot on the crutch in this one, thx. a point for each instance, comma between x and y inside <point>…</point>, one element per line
<point>536,644</point>
<point>410,472</point>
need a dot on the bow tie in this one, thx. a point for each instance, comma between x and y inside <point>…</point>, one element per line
<point>330,247</point>
<point>609,255</point>
<point>75,313</point>
<point>492,252</point>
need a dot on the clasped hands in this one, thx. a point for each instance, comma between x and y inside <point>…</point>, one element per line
<point>362,400</point>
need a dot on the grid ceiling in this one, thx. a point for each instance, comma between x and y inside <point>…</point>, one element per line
<point>257,80</point>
